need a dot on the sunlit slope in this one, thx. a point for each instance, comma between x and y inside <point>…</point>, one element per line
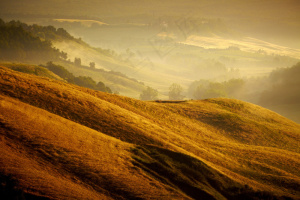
<point>49,157</point>
<point>88,54</point>
<point>118,83</point>
<point>32,69</point>
<point>141,69</point>
<point>248,144</point>
<point>55,158</point>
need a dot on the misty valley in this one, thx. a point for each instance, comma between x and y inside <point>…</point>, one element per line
<point>139,100</point>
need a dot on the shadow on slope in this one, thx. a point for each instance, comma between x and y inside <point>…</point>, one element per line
<point>9,189</point>
<point>193,177</point>
<point>186,127</point>
<point>45,155</point>
<point>78,104</point>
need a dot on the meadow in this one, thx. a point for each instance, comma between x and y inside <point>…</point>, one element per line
<point>62,141</point>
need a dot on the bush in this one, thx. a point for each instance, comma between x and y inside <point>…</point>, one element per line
<point>61,71</point>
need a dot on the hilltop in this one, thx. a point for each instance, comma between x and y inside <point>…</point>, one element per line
<point>33,44</point>
<point>62,141</point>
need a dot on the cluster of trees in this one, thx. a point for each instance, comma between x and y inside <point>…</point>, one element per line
<point>83,81</point>
<point>43,32</point>
<point>285,84</point>
<point>17,44</point>
<point>175,91</point>
<point>116,77</point>
<point>77,63</point>
<point>47,34</point>
<point>149,94</point>
<point>205,89</point>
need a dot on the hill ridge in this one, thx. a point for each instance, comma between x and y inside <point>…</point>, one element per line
<point>187,128</point>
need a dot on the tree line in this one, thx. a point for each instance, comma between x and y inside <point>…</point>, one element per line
<point>32,43</point>
<point>18,44</point>
<point>281,87</point>
<point>202,89</point>
<point>83,81</point>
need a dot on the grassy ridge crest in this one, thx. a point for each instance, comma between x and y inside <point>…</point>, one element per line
<point>242,142</point>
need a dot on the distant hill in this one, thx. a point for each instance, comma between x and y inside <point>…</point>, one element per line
<point>17,44</point>
<point>33,44</point>
<point>61,141</point>
<point>275,20</point>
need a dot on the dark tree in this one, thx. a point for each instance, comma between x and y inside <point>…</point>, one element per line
<point>175,92</point>
<point>77,62</point>
<point>149,94</point>
<point>64,55</point>
<point>92,65</point>
<point>60,71</point>
<point>85,81</point>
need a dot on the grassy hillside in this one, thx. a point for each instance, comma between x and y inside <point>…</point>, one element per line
<point>32,69</point>
<point>61,141</point>
<point>33,44</point>
<point>116,81</point>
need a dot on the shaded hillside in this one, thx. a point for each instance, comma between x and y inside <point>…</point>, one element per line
<point>17,44</point>
<point>61,159</point>
<point>74,142</point>
<point>283,96</point>
<point>58,72</point>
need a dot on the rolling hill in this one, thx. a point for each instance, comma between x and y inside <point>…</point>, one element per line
<point>33,44</point>
<point>32,69</point>
<point>273,20</point>
<point>61,141</point>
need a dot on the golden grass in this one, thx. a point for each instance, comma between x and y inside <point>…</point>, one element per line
<point>32,69</point>
<point>65,160</point>
<point>248,144</point>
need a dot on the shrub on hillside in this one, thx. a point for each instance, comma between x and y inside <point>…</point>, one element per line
<point>60,71</point>
<point>83,81</point>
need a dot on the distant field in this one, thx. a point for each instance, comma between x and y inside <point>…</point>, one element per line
<point>246,44</point>
<point>87,23</point>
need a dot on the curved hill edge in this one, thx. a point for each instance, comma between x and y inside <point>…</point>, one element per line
<point>55,158</point>
<point>172,127</point>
